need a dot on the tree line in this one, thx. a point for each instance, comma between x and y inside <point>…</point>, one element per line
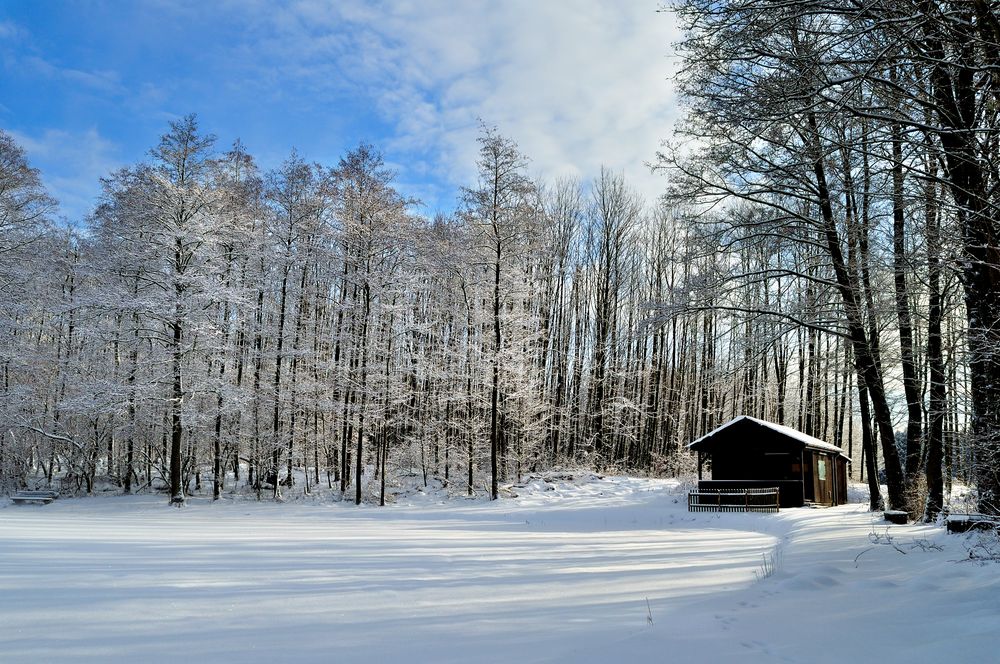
<point>822,257</point>
<point>855,145</point>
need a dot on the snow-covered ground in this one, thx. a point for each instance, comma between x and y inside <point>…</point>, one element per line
<point>584,570</point>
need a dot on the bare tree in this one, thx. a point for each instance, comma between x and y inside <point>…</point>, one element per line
<point>498,207</point>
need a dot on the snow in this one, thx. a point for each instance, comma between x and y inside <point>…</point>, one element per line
<point>805,439</point>
<point>571,570</point>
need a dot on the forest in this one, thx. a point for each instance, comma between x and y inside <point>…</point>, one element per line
<point>825,254</point>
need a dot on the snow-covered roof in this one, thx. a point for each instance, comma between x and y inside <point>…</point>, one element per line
<point>805,439</point>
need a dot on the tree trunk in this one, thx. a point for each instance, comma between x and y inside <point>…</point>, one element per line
<point>911,387</point>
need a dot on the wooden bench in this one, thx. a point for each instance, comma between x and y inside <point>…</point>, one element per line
<point>899,517</point>
<point>963,523</point>
<point>40,496</point>
<point>734,500</point>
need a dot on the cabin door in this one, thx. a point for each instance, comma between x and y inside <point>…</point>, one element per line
<point>808,483</point>
<point>823,471</point>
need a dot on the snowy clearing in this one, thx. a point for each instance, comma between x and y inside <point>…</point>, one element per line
<point>595,570</point>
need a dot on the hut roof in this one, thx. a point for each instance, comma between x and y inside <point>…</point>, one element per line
<point>807,441</point>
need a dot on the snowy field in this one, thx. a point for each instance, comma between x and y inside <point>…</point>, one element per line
<point>593,570</point>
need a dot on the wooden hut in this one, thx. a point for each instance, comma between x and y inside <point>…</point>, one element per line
<point>750,453</point>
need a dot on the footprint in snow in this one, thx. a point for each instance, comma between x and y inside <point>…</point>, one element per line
<point>756,645</point>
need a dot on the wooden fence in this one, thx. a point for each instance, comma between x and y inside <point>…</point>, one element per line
<point>734,500</point>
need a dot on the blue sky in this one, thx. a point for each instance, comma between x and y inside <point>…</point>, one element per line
<point>89,85</point>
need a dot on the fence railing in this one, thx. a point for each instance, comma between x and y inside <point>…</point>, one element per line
<point>734,500</point>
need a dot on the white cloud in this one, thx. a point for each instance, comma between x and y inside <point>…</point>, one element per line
<point>577,84</point>
<point>103,81</point>
<point>68,162</point>
<point>18,51</point>
<point>10,31</point>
